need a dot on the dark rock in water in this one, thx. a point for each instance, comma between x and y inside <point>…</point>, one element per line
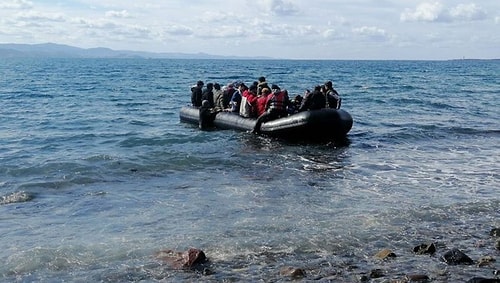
<point>425,249</point>
<point>417,278</point>
<point>292,272</point>
<point>483,280</point>
<point>497,244</point>
<point>384,254</point>
<point>377,273</point>
<point>190,259</point>
<point>495,232</point>
<point>16,197</point>
<point>455,257</point>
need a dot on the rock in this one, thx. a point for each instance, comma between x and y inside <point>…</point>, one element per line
<point>497,244</point>
<point>455,257</point>
<point>495,232</point>
<point>377,273</point>
<point>188,259</point>
<point>417,278</point>
<point>16,197</point>
<point>483,280</point>
<point>425,249</point>
<point>292,272</point>
<point>363,278</point>
<point>485,261</point>
<point>384,254</point>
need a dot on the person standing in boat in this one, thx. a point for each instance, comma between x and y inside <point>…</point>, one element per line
<point>276,107</point>
<point>209,95</point>
<point>218,98</point>
<point>313,100</point>
<point>261,84</point>
<point>332,96</point>
<point>196,94</point>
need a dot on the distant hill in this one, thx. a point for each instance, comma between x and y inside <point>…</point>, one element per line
<point>52,50</point>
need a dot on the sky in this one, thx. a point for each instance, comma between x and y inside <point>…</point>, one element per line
<point>282,29</point>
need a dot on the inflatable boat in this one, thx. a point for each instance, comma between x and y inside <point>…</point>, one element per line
<point>323,124</point>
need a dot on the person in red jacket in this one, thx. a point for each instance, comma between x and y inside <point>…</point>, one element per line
<point>276,105</point>
<point>262,101</point>
<point>248,107</point>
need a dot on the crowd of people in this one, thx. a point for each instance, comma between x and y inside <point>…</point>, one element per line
<point>261,100</point>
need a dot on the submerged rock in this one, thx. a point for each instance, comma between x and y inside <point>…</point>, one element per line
<point>292,272</point>
<point>485,261</point>
<point>16,197</point>
<point>377,273</point>
<point>189,259</point>
<point>417,278</point>
<point>425,249</point>
<point>495,232</point>
<point>384,254</point>
<point>483,280</point>
<point>455,257</point>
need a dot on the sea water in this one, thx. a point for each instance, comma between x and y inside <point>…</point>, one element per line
<point>97,173</point>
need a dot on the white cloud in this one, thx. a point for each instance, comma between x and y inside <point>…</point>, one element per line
<point>39,16</point>
<point>277,7</point>
<point>16,4</point>
<point>426,12</point>
<point>117,14</point>
<point>436,12</point>
<point>178,30</point>
<point>467,12</point>
<point>497,20</point>
<point>371,32</point>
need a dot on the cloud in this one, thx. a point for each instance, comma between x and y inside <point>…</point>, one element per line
<point>178,30</point>
<point>425,12</point>
<point>278,7</point>
<point>497,20</point>
<point>467,12</point>
<point>16,4</point>
<point>39,16</point>
<point>118,14</point>
<point>371,32</point>
<point>436,12</point>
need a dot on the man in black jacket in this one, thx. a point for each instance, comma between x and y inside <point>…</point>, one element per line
<point>196,94</point>
<point>313,100</point>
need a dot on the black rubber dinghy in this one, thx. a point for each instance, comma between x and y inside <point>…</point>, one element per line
<point>323,124</point>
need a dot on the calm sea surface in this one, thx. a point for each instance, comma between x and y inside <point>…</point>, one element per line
<point>97,173</point>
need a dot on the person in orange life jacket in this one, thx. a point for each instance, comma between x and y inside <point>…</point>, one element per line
<point>251,96</point>
<point>261,101</point>
<point>313,100</point>
<point>234,104</point>
<point>208,94</point>
<point>276,107</point>
<point>332,96</point>
<point>196,94</point>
